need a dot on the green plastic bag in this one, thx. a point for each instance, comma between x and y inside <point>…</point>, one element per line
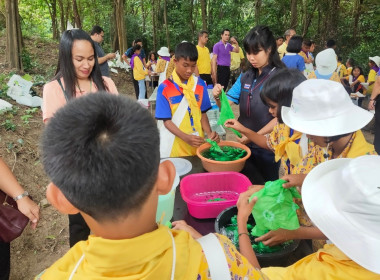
<point>226,113</point>
<point>224,153</point>
<point>275,208</point>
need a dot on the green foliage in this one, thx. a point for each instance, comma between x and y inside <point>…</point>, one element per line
<point>27,61</point>
<point>9,125</point>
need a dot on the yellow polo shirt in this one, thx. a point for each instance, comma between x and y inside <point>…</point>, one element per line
<point>204,60</point>
<point>236,59</point>
<point>282,49</point>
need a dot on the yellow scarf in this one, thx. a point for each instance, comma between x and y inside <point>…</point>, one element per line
<point>289,147</point>
<point>146,257</point>
<point>189,95</point>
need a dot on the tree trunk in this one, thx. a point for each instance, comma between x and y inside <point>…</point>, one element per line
<point>356,12</point>
<point>62,16</point>
<point>120,25</point>
<point>293,21</point>
<point>191,19</point>
<point>14,36</point>
<point>52,6</point>
<point>257,11</point>
<point>143,13</point>
<point>77,21</point>
<point>204,15</point>
<point>166,24</point>
<point>154,23</point>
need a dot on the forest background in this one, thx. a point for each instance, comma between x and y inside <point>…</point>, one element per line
<point>354,24</point>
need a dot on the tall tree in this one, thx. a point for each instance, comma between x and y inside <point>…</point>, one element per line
<point>356,12</point>
<point>154,24</point>
<point>77,20</point>
<point>14,36</point>
<point>62,15</point>
<point>293,10</point>
<point>143,15</point>
<point>120,25</point>
<point>257,11</point>
<point>166,24</point>
<point>52,5</point>
<point>204,15</point>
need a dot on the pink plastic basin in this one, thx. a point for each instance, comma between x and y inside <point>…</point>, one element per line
<point>197,189</point>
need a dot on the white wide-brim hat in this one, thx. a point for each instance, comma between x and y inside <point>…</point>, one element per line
<point>326,62</point>
<point>163,51</point>
<point>323,108</point>
<point>342,198</point>
<point>375,59</point>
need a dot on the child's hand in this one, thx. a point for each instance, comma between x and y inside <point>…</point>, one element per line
<point>194,140</point>
<point>217,90</point>
<point>275,237</point>
<point>242,140</point>
<point>255,188</point>
<point>232,123</point>
<point>182,225</point>
<point>214,136</point>
<point>244,206</point>
<point>294,180</point>
<point>30,209</point>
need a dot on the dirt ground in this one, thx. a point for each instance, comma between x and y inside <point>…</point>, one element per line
<point>37,249</point>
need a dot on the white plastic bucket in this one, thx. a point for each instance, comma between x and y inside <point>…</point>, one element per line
<point>165,207</point>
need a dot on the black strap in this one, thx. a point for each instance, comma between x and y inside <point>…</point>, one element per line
<point>64,92</point>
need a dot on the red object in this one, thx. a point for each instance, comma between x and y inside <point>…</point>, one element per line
<point>198,191</point>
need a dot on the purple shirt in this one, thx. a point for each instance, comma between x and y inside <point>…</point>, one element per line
<point>223,53</point>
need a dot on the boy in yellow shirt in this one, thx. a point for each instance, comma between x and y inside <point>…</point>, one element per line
<point>101,153</point>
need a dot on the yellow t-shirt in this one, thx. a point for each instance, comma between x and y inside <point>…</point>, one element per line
<point>204,60</point>
<point>334,77</point>
<point>146,257</point>
<point>236,59</point>
<point>282,49</point>
<point>342,70</point>
<point>371,78</point>
<point>328,263</point>
<point>349,70</point>
<point>139,72</point>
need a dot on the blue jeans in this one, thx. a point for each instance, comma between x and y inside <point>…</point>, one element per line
<point>141,89</point>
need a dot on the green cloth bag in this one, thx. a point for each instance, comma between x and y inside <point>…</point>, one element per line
<point>226,113</point>
<point>275,208</point>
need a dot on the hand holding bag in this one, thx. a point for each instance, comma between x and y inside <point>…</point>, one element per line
<point>12,221</point>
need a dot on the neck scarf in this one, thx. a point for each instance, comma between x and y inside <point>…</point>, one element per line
<point>189,95</point>
<point>289,147</point>
<point>167,58</point>
<point>375,68</point>
<point>133,59</point>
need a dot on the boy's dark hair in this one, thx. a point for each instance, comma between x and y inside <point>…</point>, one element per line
<point>330,43</point>
<point>279,37</point>
<point>138,41</point>
<point>102,152</point>
<point>136,48</point>
<point>96,29</point>
<point>200,34</point>
<point>339,58</point>
<point>307,42</point>
<point>65,68</point>
<point>351,61</point>
<point>279,88</point>
<point>295,44</point>
<point>261,38</point>
<point>186,50</point>
<point>224,30</point>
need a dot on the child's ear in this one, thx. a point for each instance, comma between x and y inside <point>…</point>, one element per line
<point>59,200</point>
<point>165,178</point>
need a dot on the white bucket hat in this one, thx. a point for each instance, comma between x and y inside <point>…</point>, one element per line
<point>375,59</point>
<point>323,108</point>
<point>326,62</point>
<point>163,51</point>
<point>342,198</point>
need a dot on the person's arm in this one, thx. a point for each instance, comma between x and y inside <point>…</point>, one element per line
<point>375,93</point>
<point>275,237</point>
<point>214,69</point>
<point>268,128</point>
<point>216,91</point>
<point>244,211</point>
<point>235,47</point>
<point>258,139</point>
<point>9,185</point>
<point>105,58</point>
<point>125,58</point>
<point>192,140</point>
<point>293,180</point>
<point>182,225</point>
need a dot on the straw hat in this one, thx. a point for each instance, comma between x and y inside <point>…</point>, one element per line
<point>326,62</point>
<point>163,51</point>
<point>375,59</point>
<point>323,108</point>
<point>342,198</point>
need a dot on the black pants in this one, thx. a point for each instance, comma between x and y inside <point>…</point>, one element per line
<point>263,160</point>
<point>377,126</point>
<point>5,260</point>
<point>207,78</point>
<point>223,76</point>
<point>78,229</point>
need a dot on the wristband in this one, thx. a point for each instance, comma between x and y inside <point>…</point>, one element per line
<point>25,193</point>
<point>240,234</point>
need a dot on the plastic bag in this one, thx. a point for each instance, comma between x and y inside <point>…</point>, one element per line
<point>275,208</point>
<point>226,113</point>
<point>224,153</point>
